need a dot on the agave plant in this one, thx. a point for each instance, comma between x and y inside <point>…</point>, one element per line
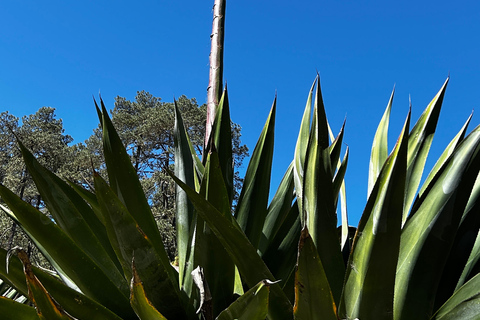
<point>414,254</point>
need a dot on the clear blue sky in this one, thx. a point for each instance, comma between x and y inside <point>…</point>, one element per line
<point>60,53</point>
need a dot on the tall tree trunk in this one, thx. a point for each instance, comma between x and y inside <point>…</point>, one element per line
<point>215,84</point>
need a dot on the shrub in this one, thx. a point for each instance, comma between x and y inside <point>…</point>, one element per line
<point>414,254</point>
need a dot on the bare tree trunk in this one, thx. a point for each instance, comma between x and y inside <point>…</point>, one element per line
<point>215,85</point>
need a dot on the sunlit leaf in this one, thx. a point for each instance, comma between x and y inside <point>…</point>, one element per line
<point>301,149</point>
<point>380,146</point>
<point>184,170</point>
<point>12,310</point>
<point>76,268</point>
<point>251,267</point>
<point>419,143</point>
<point>253,305</point>
<point>46,307</point>
<point>463,304</point>
<point>125,183</point>
<point>278,210</point>
<point>139,301</point>
<point>75,303</point>
<point>370,275</point>
<point>313,297</point>
<point>74,216</point>
<point>129,241</point>
<point>252,204</point>
<point>428,234</point>
<point>319,199</point>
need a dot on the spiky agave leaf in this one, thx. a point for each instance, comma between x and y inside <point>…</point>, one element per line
<point>428,234</point>
<point>252,204</point>
<point>370,275</point>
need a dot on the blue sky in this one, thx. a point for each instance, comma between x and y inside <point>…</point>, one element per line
<point>60,53</point>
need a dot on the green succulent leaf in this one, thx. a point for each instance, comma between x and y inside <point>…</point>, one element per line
<point>251,267</point>
<point>464,252</point>
<point>338,180</point>
<point>313,297</point>
<point>278,210</point>
<point>252,204</point>
<point>75,303</point>
<point>419,143</point>
<point>77,269</point>
<point>12,310</point>
<point>336,147</point>
<point>370,275</point>
<point>74,216</point>
<point>184,170</point>
<point>282,252</point>
<point>379,152</point>
<point>301,148</point>
<point>445,155</point>
<point>472,263</point>
<point>463,304</point>
<point>124,182</point>
<point>46,307</point>
<point>138,299</point>
<point>222,142</point>
<point>90,198</point>
<point>253,305</point>
<point>342,194</point>
<point>212,256</point>
<point>130,242</point>
<point>428,234</point>
<point>318,199</point>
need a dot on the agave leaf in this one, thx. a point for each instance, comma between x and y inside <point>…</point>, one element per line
<point>47,308</point>
<point>338,180</point>
<point>76,268</point>
<point>278,209</point>
<point>251,267</point>
<point>253,305</point>
<point>74,216</point>
<point>138,299</point>
<point>463,304</point>
<point>184,169</point>
<point>472,265</point>
<point>445,155</point>
<point>370,276</point>
<point>463,253</point>
<point>124,182</point>
<point>336,146</point>
<point>218,266</point>
<point>222,141</point>
<point>319,122</point>
<point>380,146</point>
<point>190,169</point>
<point>15,276</point>
<point>75,303</point>
<point>252,204</point>
<point>129,241</point>
<point>12,310</point>
<point>428,235</point>
<point>301,148</point>
<point>343,196</point>
<point>282,253</point>
<point>90,198</point>
<point>313,297</point>
<point>419,144</point>
<point>319,200</point>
